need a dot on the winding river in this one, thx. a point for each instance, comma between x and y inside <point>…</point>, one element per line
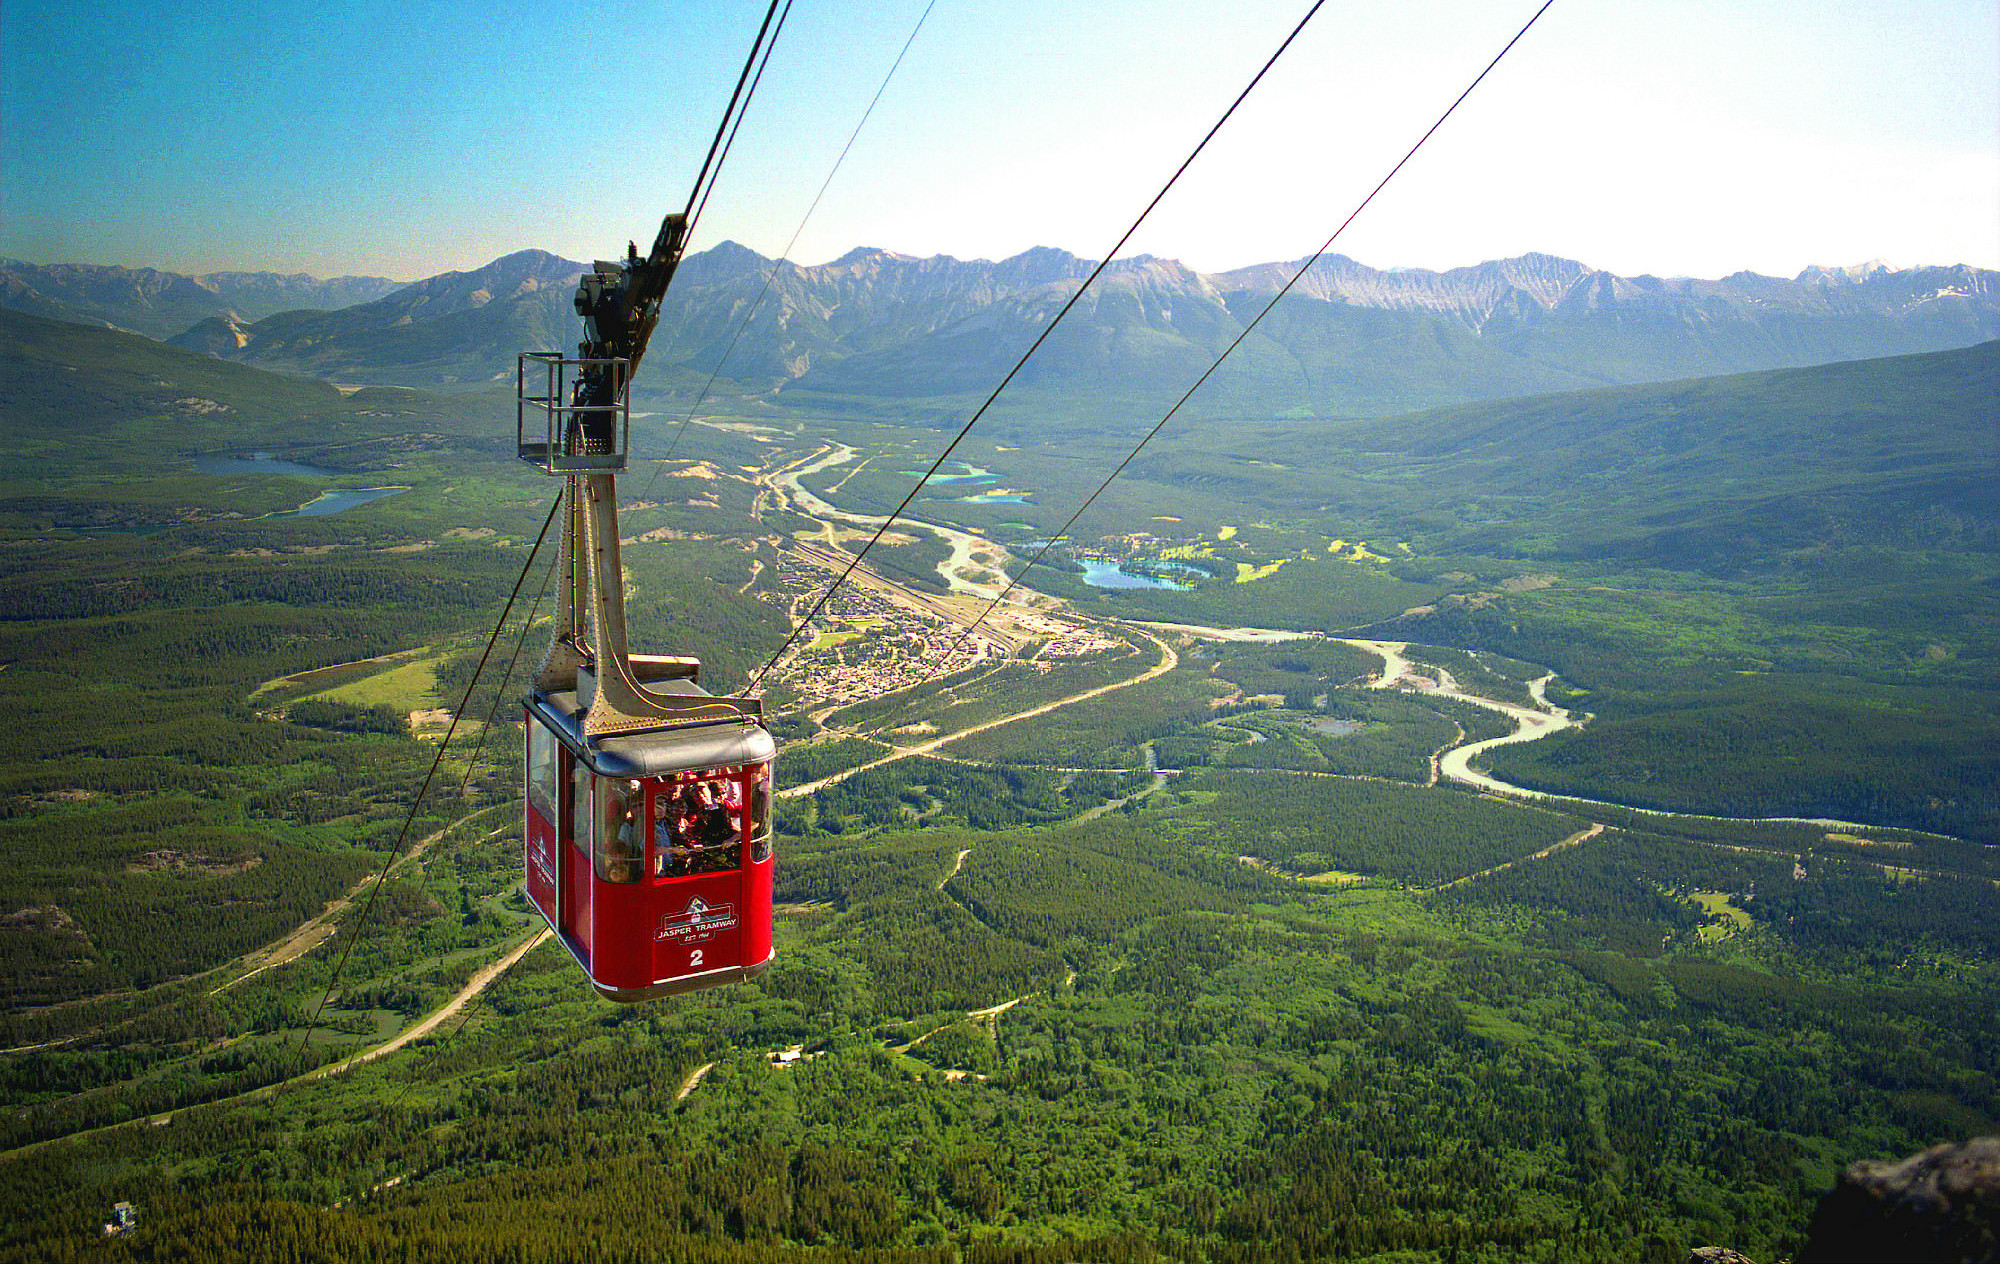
<point>1530,723</point>
<point>964,545</point>
<point>1454,763</point>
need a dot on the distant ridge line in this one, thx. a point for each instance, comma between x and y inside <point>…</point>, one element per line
<point>1350,339</point>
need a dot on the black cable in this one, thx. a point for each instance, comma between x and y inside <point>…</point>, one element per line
<point>785,253</point>
<point>1255,321</point>
<point>728,112</point>
<point>695,209</point>
<point>471,1004</point>
<point>500,694</point>
<point>741,114</point>
<point>498,697</point>
<point>1036,345</point>
<point>417,803</point>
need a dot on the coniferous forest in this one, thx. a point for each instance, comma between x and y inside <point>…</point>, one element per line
<point>1216,965</point>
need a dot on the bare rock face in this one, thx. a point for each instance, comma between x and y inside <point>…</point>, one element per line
<point>1717,1255</point>
<point>1938,1207</point>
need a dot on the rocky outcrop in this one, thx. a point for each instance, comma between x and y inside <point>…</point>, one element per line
<point>1940,1206</point>
<point>217,336</point>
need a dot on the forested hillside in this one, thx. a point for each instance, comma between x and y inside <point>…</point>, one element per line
<point>249,768</point>
<point>1200,1058</point>
<point>1176,947</point>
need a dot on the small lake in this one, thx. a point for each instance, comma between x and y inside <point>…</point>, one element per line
<point>977,498</point>
<point>327,502</point>
<point>968,473</point>
<point>344,498</point>
<point>1099,574</point>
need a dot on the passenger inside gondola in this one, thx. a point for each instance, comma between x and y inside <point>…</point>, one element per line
<point>760,815</point>
<point>674,844</point>
<point>696,828</point>
<point>714,827</point>
<point>624,842</point>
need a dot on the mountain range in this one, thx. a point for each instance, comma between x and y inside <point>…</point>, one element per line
<point>1347,340</point>
<point>161,304</point>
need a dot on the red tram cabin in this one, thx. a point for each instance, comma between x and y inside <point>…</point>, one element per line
<point>648,834</point>
<point>649,853</point>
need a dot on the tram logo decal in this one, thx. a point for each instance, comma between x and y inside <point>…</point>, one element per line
<point>698,922</point>
<point>538,856</point>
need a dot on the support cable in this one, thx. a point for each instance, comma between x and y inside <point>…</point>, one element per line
<point>785,253</point>
<point>403,838</point>
<point>712,161</point>
<point>506,677</point>
<point>1207,373</point>
<point>741,114</point>
<point>1047,330</point>
<point>499,697</point>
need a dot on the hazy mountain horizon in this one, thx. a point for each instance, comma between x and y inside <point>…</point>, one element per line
<point>1346,339</point>
<point>1853,272</point>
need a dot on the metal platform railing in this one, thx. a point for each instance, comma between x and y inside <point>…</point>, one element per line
<point>556,434</point>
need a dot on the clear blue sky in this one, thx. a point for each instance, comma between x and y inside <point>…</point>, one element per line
<point>1677,137</point>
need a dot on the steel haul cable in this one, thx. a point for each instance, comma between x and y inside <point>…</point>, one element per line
<point>500,693</point>
<point>499,697</point>
<point>741,114</point>
<point>711,165</point>
<point>1236,342</point>
<point>785,253</point>
<point>1047,330</point>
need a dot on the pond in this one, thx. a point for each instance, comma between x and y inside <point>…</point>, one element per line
<point>328,502</point>
<point>344,498</point>
<point>968,473</point>
<point>1101,574</point>
<point>978,498</point>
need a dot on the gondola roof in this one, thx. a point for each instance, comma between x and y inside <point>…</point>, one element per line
<point>656,751</point>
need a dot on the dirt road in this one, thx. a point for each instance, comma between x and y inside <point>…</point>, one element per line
<point>956,865</point>
<point>1578,837</point>
<point>693,1080</point>
<point>318,929</point>
<point>474,986</point>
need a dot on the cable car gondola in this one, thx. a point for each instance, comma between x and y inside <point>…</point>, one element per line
<point>647,830</point>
